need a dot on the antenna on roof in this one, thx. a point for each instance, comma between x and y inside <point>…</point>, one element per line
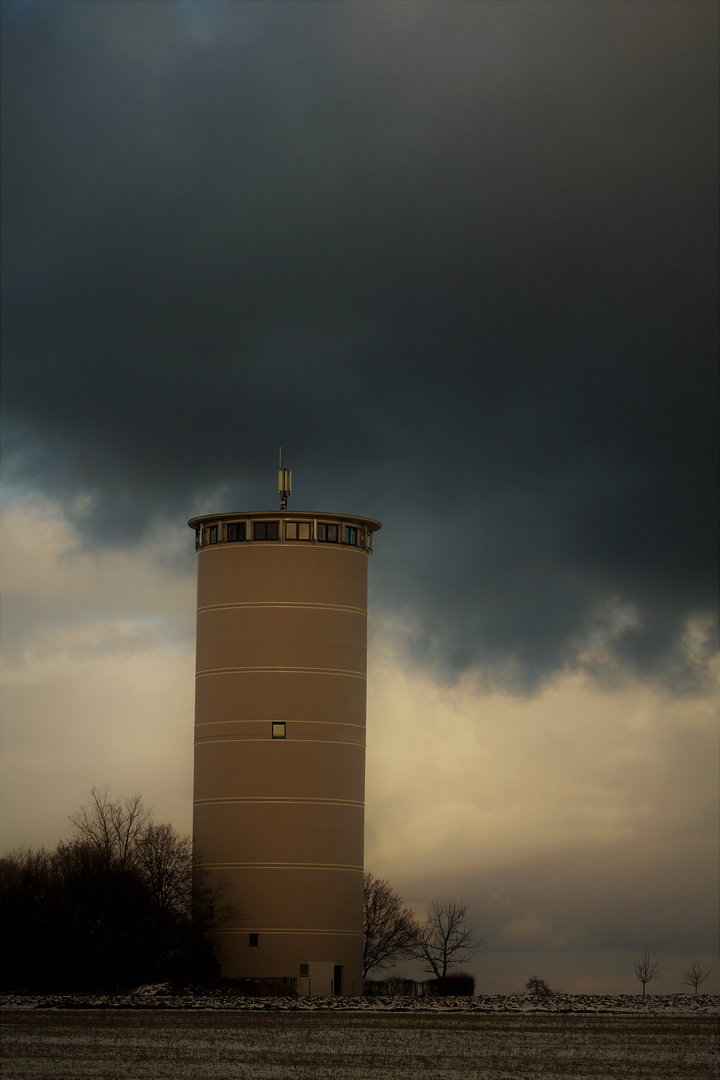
<point>284,483</point>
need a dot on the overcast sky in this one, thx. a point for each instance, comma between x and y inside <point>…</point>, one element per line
<point>460,260</point>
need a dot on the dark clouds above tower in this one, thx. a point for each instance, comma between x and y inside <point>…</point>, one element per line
<point>460,260</point>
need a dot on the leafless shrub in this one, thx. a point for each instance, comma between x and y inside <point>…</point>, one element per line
<point>538,987</point>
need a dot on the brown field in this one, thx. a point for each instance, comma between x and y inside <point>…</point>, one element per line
<point>198,1045</point>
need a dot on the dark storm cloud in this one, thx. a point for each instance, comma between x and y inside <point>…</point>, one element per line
<point>460,260</point>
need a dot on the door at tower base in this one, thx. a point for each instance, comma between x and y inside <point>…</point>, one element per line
<point>278,814</point>
<point>321,980</point>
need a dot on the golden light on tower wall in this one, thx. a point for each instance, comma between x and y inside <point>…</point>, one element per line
<point>279,789</point>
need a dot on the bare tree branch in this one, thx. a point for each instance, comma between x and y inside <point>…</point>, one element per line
<point>164,861</point>
<point>111,826</point>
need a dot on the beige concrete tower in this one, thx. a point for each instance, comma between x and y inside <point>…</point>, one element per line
<point>280,738</point>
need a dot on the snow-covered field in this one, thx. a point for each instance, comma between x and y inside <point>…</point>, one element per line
<point>565,1038</point>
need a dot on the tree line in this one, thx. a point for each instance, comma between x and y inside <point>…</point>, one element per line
<point>121,902</point>
<point>124,902</point>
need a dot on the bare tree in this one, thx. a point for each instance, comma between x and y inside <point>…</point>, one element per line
<point>647,969</point>
<point>445,939</point>
<point>389,925</point>
<point>695,975</point>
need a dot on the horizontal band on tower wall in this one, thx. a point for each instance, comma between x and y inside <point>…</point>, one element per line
<point>282,866</point>
<point>323,545</point>
<point>284,670</point>
<point>290,930</point>
<point>213,741</point>
<point>281,800</point>
<point>279,719</point>
<point>283,604</point>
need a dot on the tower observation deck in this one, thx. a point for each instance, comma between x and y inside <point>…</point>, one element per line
<point>279,788</point>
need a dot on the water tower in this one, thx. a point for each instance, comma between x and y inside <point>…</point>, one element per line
<point>278,807</point>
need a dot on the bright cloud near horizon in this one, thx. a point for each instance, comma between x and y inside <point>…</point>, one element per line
<point>461,261</point>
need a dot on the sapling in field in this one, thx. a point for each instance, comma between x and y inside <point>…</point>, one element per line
<point>695,975</point>
<point>647,969</point>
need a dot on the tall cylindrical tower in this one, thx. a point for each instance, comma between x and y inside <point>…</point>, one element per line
<point>280,739</point>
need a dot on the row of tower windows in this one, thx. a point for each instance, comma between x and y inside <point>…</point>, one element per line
<point>325,532</point>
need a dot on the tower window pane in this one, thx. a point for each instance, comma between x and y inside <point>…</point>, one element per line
<point>327,533</point>
<point>297,530</point>
<point>252,939</point>
<point>278,730</point>
<point>265,530</point>
<point>236,531</point>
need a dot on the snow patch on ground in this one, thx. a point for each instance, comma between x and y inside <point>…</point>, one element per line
<point>167,996</point>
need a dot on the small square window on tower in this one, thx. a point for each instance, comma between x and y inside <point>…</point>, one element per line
<point>252,939</point>
<point>304,971</point>
<point>278,730</point>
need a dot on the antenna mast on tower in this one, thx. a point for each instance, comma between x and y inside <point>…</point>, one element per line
<point>284,483</point>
